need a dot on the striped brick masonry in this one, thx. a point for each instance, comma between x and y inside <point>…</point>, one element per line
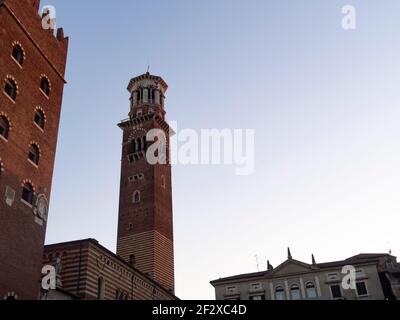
<point>92,272</point>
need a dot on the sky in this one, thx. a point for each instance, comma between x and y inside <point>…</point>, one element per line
<point>323,103</point>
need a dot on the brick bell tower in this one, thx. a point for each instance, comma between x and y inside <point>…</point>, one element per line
<point>145,227</point>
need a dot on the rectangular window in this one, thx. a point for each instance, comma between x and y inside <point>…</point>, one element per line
<point>255,286</point>
<point>231,290</point>
<point>360,274</point>
<point>362,289</point>
<point>336,292</point>
<point>333,276</point>
<point>257,298</point>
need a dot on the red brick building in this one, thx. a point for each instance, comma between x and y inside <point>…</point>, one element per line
<point>32,68</point>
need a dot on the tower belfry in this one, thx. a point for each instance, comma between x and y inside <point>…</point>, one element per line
<point>145,225</point>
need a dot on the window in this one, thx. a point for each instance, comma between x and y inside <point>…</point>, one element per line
<point>100,288</point>
<point>360,274</point>
<point>10,88</point>
<point>39,118</point>
<point>4,127</point>
<point>27,193</point>
<point>136,197</point>
<point>310,290</point>
<point>139,145</point>
<point>119,295</point>
<point>280,294</point>
<point>333,277</point>
<point>361,289</point>
<point>163,182</point>
<point>34,154</point>
<point>45,86</point>
<point>295,292</point>
<point>152,95</point>
<point>231,290</point>
<point>336,292</point>
<point>18,54</point>
<point>257,298</point>
<point>256,286</point>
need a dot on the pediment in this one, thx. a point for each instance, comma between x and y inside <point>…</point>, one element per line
<point>291,267</point>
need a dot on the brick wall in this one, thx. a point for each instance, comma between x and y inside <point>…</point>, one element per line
<point>21,233</point>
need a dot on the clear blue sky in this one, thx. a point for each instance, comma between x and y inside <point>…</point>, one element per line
<point>325,105</point>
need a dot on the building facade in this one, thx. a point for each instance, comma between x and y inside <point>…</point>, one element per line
<point>88,271</point>
<point>377,278</point>
<point>32,67</point>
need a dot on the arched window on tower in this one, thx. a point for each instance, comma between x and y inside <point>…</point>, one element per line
<point>39,118</point>
<point>18,54</point>
<point>144,143</point>
<point>45,86</point>
<point>139,146</point>
<point>163,181</point>
<point>152,95</point>
<point>34,154</point>
<point>4,127</point>
<point>132,146</point>
<point>136,197</point>
<point>10,88</point>
<point>27,193</point>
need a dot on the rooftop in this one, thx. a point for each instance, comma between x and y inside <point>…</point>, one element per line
<point>363,258</point>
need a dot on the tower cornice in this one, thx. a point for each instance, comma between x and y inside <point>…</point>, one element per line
<point>147,76</point>
<point>129,123</point>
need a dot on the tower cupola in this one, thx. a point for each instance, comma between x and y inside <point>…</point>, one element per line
<point>147,95</point>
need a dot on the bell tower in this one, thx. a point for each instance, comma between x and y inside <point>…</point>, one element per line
<point>145,224</point>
